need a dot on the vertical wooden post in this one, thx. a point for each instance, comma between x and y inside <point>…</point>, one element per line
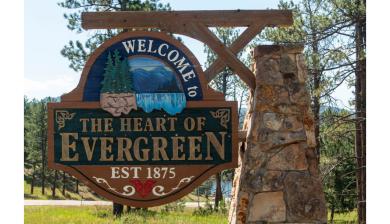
<point>117,209</point>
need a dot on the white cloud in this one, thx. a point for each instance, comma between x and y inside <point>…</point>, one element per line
<point>51,87</point>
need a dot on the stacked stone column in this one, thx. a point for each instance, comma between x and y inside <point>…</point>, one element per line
<point>278,179</point>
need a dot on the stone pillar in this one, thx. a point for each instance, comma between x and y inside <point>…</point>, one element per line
<point>278,179</point>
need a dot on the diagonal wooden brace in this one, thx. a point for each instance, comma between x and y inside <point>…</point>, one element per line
<point>202,33</point>
<point>236,47</point>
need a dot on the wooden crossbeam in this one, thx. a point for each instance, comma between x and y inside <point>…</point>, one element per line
<point>210,18</point>
<point>204,34</point>
<point>195,24</point>
<point>236,47</point>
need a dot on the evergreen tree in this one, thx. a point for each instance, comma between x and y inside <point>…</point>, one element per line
<point>115,75</point>
<point>125,77</point>
<point>231,86</point>
<point>107,81</point>
<point>78,52</point>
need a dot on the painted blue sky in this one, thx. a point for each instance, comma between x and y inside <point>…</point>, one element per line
<point>146,64</point>
<point>47,72</point>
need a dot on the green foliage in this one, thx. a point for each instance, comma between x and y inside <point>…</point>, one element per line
<point>36,172</point>
<point>176,206</point>
<point>117,77</point>
<point>338,161</point>
<point>327,31</point>
<point>208,209</point>
<point>103,214</point>
<point>77,52</point>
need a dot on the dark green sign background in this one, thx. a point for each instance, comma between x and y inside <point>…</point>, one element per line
<point>212,124</point>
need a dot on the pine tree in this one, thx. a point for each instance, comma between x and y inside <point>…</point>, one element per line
<point>107,75</point>
<point>115,75</point>
<point>125,79</point>
<point>77,52</point>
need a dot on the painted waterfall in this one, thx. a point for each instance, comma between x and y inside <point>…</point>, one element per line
<point>156,85</point>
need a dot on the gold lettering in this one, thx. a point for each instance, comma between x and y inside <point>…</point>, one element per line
<point>172,122</point>
<point>160,124</point>
<point>124,148</point>
<point>125,124</point>
<point>219,146</point>
<point>84,121</point>
<point>87,146</point>
<point>148,125</point>
<point>66,146</point>
<point>177,148</point>
<point>195,147</point>
<point>108,125</point>
<point>201,123</point>
<point>159,147</point>
<point>96,124</point>
<point>145,152</point>
<point>137,124</point>
<point>189,124</point>
<point>106,149</point>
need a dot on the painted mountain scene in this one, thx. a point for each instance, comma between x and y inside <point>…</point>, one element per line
<point>140,82</point>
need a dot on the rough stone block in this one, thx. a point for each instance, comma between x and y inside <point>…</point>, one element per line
<point>273,121</point>
<point>287,65</point>
<point>302,72</point>
<point>269,207</point>
<point>312,162</point>
<point>271,139</point>
<point>271,95</point>
<point>292,157</point>
<point>305,199</point>
<point>292,123</point>
<point>267,70</point>
<point>272,181</point>
<point>242,208</point>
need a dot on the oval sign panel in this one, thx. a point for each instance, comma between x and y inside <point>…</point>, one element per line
<point>142,127</point>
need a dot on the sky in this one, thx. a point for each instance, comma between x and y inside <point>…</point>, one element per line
<point>47,72</point>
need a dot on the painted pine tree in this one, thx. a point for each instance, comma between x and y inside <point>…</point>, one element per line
<point>125,77</point>
<point>108,70</point>
<point>117,78</point>
<point>116,88</point>
<point>117,94</point>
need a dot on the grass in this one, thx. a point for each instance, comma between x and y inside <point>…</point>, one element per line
<point>344,218</point>
<point>102,214</point>
<point>84,194</point>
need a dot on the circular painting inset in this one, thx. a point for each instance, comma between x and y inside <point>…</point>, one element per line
<point>153,76</point>
<point>156,85</point>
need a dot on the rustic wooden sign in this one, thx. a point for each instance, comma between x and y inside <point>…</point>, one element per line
<point>142,127</point>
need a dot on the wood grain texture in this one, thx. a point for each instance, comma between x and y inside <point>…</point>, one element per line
<point>224,18</point>
<point>236,47</point>
<point>231,60</point>
<point>86,173</point>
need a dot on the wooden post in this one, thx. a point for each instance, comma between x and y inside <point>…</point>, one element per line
<point>117,209</point>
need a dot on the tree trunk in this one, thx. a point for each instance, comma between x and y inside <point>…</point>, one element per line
<point>316,97</point>
<point>117,209</point>
<point>63,183</point>
<point>32,180</point>
<point>53,189</point>
<point>77,186</point>
<point>360,107</point>
<point>43,169</point>
<point>218,190</point>
<point>332,214</point>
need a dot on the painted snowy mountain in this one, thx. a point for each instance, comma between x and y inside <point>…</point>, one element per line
<point>156,86</point>
<point>158,80</point>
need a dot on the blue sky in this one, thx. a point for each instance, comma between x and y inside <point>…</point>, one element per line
<point>47,72</point>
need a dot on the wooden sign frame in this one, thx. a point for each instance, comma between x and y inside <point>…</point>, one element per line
<point>76,99</point>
